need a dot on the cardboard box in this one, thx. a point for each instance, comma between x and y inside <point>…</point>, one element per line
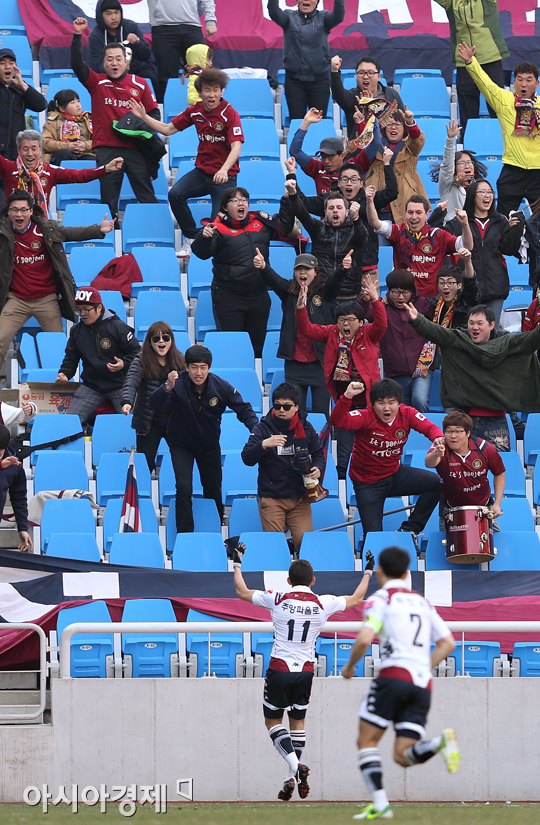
<point>48,398</point>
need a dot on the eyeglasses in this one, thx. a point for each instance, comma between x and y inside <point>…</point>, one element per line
<point>395,293</point>
<point>442,282</point>
<point>13,211</point>
<point>350,319</point>
<point>367,74</point>
<point>85,310</point>
<point>238,200</point>
<point>484,191</point>
<point>354,179</point>
<point>464,163</point>
<point>285,407</point>
<point>454,432</point>
<point>157,338</point>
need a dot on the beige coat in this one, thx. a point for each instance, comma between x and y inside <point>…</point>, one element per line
<point>408,179</point>
<point>52,131</point>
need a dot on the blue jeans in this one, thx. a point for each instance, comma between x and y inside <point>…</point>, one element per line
<point>415,390</point>
<point>196,184</point>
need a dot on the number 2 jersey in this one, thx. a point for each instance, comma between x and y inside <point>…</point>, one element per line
<point>406,624</point>
<point>298,616</point>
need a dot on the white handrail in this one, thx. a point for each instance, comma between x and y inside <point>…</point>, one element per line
<point>27,717</point>
<point>251,627</point>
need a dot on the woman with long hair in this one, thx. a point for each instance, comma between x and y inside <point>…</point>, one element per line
<point>456,172</point>
<point>494,237</point>
<point>148,371</point>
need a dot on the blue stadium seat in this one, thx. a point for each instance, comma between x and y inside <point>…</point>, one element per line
<point>246,382</point>
<point>426,96</point>
<point>67,193</point>
<point>327,647</point>
<point>18,42</point>
<point>86,262</point>
<point>11,21</point>
<point>278,378</point>
<point>113,300</point>
<point>204,315</point>
<point>46,375</point>
<point>87,214</point>
<point>251,97</point>
<point>494,167</point>
<point>386,263</point>
<point>328,551</point>
<point>200,553</point>
<point>111,476</point>
<point>317,420</point>
<point>435,133</point>
<point>416,443</point>
<point>183,148</point>
<point>60,470</point>
<point>137,550</point>
<point>183,343</point>
<point>315,134</point>
<point>161,190</point>
<point>394,520</point>
<point>29,354</point>
<point>326,513</point>
<point>376,542</point>
<point>147,224</point>
<point>532,438</point>
<point>264,180</point>
<point>479,657</point>
<point>517,515</point>
<point>515,475</point>
<point>516,550</point>
<point>200,276</point>
<point>81,546</point>
<point>234,434</point>
<point>520,298</point>
<point>244,517</point>
<point>56,84</point>
<point>528,656</point>
<point>89,651</point>
<point>112,434</point>
<point>276,314</point>
<point>159,268</point>
<point>239,480</point>
<point>261,645</point>
<point>484,137</point>
<point>205,518</point>
<point>436,555</point>
<point>330,481</point>
<point>265,551</point>
<point>518,273</point>
<point>159,306</point>
<point>46,347</point>
<point>230,349</point>
<point>435,403</point>
<point>61,512</point>
<point>261,140</point>
<point>175,100</point>
<point>401,74</point>
<point>282,260</point>
<point>113,512</point>
<point>226,649</point>
<point>167,482</point>
<point>150,653</point>
<point>511,430</point>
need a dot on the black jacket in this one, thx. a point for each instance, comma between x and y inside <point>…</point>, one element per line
<point>319,307</point>
<point>346,99</point>
<point>96,346</point>
<point>487,256</point>
<point>13,480</point>
<point>277,476</point>
<point>305,39</point>
<point>13,104</point>
<point>99,37</point>
<point>195,422</point>
<point>137,392</point>
<point>232,248</point>
<point>329,245</point>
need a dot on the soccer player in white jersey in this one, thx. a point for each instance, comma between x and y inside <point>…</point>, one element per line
<point>405,624</point>
<point>298,616</point>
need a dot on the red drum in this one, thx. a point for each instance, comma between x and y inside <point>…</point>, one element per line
<point>469,535</point>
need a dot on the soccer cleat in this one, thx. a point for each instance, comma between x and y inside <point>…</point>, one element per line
<point>287,790</point>
<point>371,813</point>
<point>302,775</point>
<point>449,750</point>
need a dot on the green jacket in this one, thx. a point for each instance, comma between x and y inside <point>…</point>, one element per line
<point>475,22</point>
<point>502,374</point>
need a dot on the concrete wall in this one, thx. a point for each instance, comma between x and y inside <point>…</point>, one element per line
<point>118,732</point>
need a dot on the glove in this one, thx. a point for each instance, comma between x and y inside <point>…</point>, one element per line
<point>238,553</point>
<point>370,561</point>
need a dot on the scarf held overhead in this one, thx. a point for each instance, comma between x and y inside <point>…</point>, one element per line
<point>527,117</point>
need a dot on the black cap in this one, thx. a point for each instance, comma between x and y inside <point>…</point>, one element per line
<point>330,146</point>
<point>7,53</point>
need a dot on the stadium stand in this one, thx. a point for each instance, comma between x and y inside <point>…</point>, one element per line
<point>91,654</point>
<point>72,545</point>
<point>136,550</point>
<point>77,513</point>
<point>152,654</point>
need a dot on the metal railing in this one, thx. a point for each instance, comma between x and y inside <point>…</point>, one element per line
<point>27,717</point>
<point>255,627</point>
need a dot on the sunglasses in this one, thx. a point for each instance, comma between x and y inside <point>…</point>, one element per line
<point>157,338</point>
<point>285,407</point>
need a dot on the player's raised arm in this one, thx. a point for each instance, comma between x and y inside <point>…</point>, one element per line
<point>358,595</point>
<point>242,590</point>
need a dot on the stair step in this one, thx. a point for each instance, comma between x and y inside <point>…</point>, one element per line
<point>11,680</point>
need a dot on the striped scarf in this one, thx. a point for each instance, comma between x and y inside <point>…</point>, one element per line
<point>527,117</point>
<point>29,181</point>
<point>429,349</point>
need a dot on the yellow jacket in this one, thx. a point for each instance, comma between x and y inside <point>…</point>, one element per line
<point>196,59</point>
<point>518,150</point>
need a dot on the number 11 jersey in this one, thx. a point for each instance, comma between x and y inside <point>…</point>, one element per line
<point>298,616</point>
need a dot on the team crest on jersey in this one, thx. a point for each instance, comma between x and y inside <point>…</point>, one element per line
<point>219,127</point>
<point>264,214</point>
<point>35,245</point>
<point>316,300</point>
<point>477,463</point>
<point>134,92</point>
<point>105,343</point>
<point>213,401</point>
<point>400,433</point>
<point>43,181</point>
<point>426,247</point>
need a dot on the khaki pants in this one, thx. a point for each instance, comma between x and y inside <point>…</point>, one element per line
<point>16,313</point>
<point>278,513</point>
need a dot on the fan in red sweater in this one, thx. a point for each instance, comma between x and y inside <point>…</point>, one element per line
<point>380,434</point>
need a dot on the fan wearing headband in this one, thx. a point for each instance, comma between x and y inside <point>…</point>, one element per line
<point>148,371</point>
